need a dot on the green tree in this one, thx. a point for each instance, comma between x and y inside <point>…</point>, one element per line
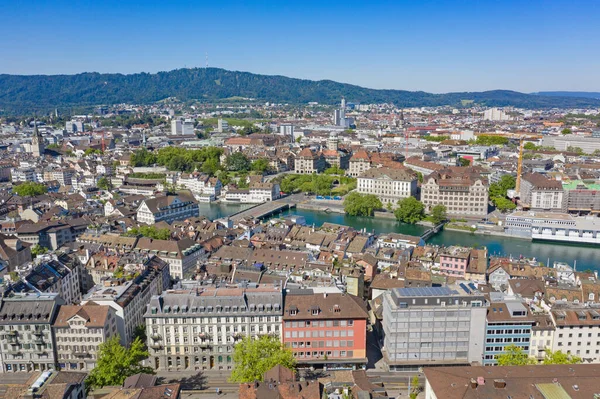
<point>490,139</point>
<point>503,204</point>
<point>410,210</point>
<point>115,363</point>
<point>596,153</point>
<point>253,357</point>
<point>530,146</point>
<point>150,232</point>
<point>464,162</point>
<point>415,387</point>
<point>92,151</point>
<point>514,356</point>
<point>436,139</point>
<point>559,357</point>
<point>438,213</point>
<point>577,150</point>
<point>334,170</point>
<point>420,177</point>
<point>238,162</point>
<point>260,165</point>
<point>30,189</point>
<point>356,204</point>
<point>298,139</point>
<point>139,332</point>
<point>104,183</point>
<point>566,131</point>
<point>210,166</point>
<point>38,250</point>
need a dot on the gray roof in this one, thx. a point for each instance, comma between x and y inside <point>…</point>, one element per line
<point>29,309</point>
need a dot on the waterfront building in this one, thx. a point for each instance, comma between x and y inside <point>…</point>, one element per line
<point>129,298</point>
<point>197,329</point>
<point>433,326</point>
<point>554,227</point>
<point>327,330</point>
<point>388,184</point>
<point>79,331</point>
<point>540,193</point>
<point>577,330</point>
<point>461,189</point>
<point>25,332</point>
<point>307,162</point>
<point>508,322</point>
<point>168,208</point>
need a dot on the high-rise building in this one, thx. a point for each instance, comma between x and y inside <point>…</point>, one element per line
<point>187,127</point>
<point>222,125</point>
<point>176,127</point>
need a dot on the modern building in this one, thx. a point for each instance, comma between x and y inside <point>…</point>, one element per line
<point>327,330</point>
<point>129,298</point>
<point>26,332</point>
<point>197,329</point>
<point>433,326</point>
<point>307,162</point>
<point>495,114</point>
<point>562,143</point>
<point>508,322</point>
<point>222,125</point>
<point>581,197</point>
<point>553,227</point>
<point>461,189</point>
<point>74,126</point>
<point>79,330</point>
<point>540,193</point>
<point>168,208</point>
<point>389,184</point>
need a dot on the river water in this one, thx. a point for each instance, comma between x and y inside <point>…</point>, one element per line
<point>584,257</point>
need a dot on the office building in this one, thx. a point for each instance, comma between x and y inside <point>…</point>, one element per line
<point>389,184</point>
<point>539,193</point>
<point>222,126</point>
<point>433,326</point>
<point>168,208</point>
<point>197,329</point>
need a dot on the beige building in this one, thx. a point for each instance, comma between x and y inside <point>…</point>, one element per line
<point>359,163</point>
<point>388,184</point>
<point>308,162</point>
<point>539,193</point>
<point>461,189</point>
<point>168,208</point>
<point>79,330</point>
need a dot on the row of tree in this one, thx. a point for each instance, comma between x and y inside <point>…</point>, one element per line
<point>408,210</point>
<point>322,184</point>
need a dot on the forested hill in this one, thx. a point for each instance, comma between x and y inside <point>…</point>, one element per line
<point>41,93</point>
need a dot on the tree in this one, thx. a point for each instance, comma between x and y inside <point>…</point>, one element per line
<point>490,139</point>
<point>577,150</point>
<point>140,332</point>
<point>260,165</point>
<point>211,166</point>
<point>503,204</point>
<point>115,363</point>
<point>420,177</point>
<point>464,162</point>
<point>253,357</point>
<point>514,356</point>
<point>438,213</point>
<point>530,146</point>
<point>415,385</point>
<point>238,162</point>
<point>30,189</point>
<point>559,357</point>
<point>298,139</point>
<point>356,204</point>
<point>499,189</point>
<point>410,210</point>
<point>104,183</point>
<point>150,232</point>
<point>38,250</point>
<point>566,131</point>
<point>334,170</point>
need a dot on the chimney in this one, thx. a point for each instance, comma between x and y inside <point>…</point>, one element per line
<point>473,383</point>
<point>499,384</point>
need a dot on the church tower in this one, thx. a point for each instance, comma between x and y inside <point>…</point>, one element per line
<point>37,142</point>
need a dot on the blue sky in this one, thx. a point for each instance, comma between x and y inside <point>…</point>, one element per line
<point>435,46</point>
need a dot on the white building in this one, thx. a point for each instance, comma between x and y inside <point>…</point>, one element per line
<point>168,208</point>
<point>222,126</point>
<point>74,126</point>
<point>176,127</point>
<point>577,331</point>
<point>388,184</point>
<point>495,114</point>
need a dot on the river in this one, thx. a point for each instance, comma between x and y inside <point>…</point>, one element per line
<point>586,257</point>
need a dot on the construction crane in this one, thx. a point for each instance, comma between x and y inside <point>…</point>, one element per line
<point>519,168</point>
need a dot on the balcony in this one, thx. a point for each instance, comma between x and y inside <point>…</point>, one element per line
<point>205,344</point>
<point>156,337</point>
<point>79,353</point>
<point>38,340</point>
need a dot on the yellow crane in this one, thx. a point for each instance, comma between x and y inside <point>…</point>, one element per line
<point>519,168</point>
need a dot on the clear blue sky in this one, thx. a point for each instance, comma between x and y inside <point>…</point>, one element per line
<point>437,46</point>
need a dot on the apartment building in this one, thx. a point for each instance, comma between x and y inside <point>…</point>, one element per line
<point>197,329</point>
<point>307,162</point>
<point>359,163</point>
<point>129,298</point>
<point>26,333</point>
<point>53,234</point>
<point>168,208</point>
<point>454,261</point>
<point>182,256</point>
<point>508,322</point>
<point>389,184</point>
<point>325,330</point>
<point>577,330</point>
<point>433,326</point>
<point>540,193</point>
<point>79,330</point>
<point>201,184</point>
<point>461,189</point>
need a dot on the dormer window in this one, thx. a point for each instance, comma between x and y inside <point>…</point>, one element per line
<point>315,311</point>
<point>336,309</point>
<point>293,311</point>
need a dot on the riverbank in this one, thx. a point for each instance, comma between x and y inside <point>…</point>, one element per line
<point>485,233</point>
<point>325,208</point>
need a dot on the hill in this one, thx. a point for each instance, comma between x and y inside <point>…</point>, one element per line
<point>43,93</point>
<point>580,94</point>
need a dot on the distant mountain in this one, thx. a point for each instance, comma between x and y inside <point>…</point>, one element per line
<point>42,93</point>
<point>580,94</point>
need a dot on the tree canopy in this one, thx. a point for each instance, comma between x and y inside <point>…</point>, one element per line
<point>30,189</point>
<point>238,162</point>
<point>115,363</point>
<point>490,139</point>
<point>356,204</point>
<point>438,213</point>
<point>38,250</point>
<point>253,357</point>
<point>150,232</point>
<point>559,357</point>
<point>177,158</point>
<point>410,210</point>
<point>318,184</point>
<point>514,356</point>
<point>260,165</point>
<point>104,183</point>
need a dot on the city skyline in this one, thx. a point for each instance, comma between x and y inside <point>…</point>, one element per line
<point>441,47</point>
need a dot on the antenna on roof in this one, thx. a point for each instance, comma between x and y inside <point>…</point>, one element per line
<point>207,59</point>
